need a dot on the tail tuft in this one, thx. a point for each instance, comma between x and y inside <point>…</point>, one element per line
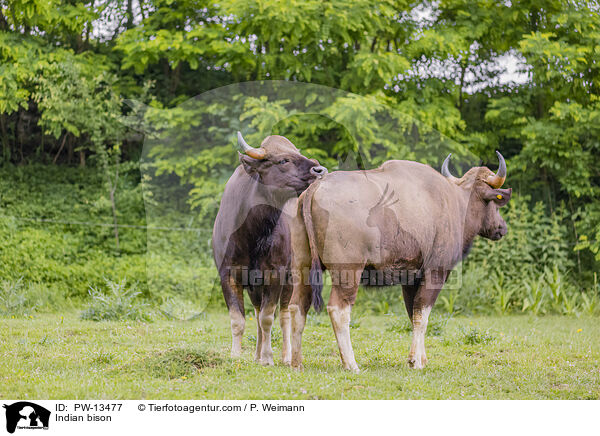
<point>316,283</point>
<point>316,268</point>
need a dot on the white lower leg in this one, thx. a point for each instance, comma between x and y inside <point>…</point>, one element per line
<point>286,326</point>
<point>237,332</point>
<point>267,316</point>
<point>298,322</point>
<point>340,319</point>
<point>417,358</point>
<point>258,336</point>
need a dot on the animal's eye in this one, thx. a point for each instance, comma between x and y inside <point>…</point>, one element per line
<point>282,161</point>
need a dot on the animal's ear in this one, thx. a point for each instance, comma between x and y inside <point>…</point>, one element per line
<point>498,196</point>
<point>250,164</point>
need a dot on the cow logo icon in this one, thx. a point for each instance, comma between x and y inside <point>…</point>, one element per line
<point>26,415</point>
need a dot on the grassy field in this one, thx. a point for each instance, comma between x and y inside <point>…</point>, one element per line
<point>512,357</point>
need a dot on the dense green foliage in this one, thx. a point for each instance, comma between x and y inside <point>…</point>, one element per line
<point>59,250</point>
<point>83,84</point>
<point>58,241</point>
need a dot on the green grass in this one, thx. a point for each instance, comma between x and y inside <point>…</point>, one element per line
<point>510,357</point>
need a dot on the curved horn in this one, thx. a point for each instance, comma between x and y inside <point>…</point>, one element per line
<point>256,153</point>
<point>497,180</point>
<point>445,170</point>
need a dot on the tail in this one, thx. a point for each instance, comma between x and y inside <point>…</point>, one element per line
<point>316,268</point>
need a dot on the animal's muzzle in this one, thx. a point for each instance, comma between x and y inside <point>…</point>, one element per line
<point>318,171</point>
<point>499,233</point>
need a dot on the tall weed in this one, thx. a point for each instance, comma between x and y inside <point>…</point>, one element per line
<point>119,303</point>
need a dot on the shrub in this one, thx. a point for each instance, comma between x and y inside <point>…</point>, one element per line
<point>120,303</point>
<point>13,299</point>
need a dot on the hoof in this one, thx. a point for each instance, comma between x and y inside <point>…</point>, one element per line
<point>353,369</point>
<point>416,363</point>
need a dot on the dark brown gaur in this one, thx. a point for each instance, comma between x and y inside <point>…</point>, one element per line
<point>402,223</point>
<point>251,239</point>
